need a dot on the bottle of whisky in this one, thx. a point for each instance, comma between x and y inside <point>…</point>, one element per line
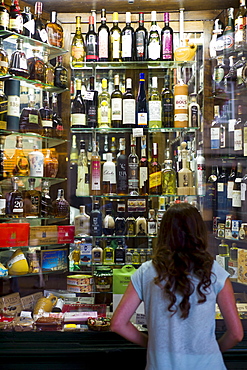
<point>46,116</point>
<point>133,169</point>
<point>54,31</point>
<point>108,223</point>
<point>155,185</point>
<point>82,223</point>
<point>119,253</point>
<point>143,169</point>
<point>61,208</point>
<point>31,201</point>
<point>46,202</point>
<point>30,119</point>
<point>82,189</point>
<point>20,160</point>
<point>122,169</point>
<point>14,201</point>
<point>96,220</point>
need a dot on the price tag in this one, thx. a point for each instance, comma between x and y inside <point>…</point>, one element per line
<point>137,132</point>
<point>89,95</point>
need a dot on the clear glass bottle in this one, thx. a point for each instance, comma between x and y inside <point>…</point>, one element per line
<point>61,208</point>
<point>168,178</point>
<point>54,31</point>
<point>116,104</point>
<point>154,39</point>
<point>14,201</point>
<point>109,182</point>
<point>104,106</point>
<point>133,169</point>
<point>30,119</point>
<point>20,160</point>
<point>78,51</point>
<point>154,105</point>
<point>115,40</point>
<point>82,188</point>
<point>31,200</point>
<point>82,223</point>
<point>36,162</point>
<point>95,171</point>
<point>48,70</point>
<point>185,176</point>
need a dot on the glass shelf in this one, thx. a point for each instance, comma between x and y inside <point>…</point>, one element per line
<point>49,141</point>
<point>134,65</point>
<point>103,130</point>
<point>116,237</point>
<point>51,180</point>
<point>34,274</point>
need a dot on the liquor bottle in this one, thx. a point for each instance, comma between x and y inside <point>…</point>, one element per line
<point>216,44</point>
<point>244,197</point>
<point>221,199</point>
<point>239,24</point>
<point>95,171</point>
<point>181,104</point>
<point>168,179</point>
<point>40,33</point>
<point>155,185</point>
<point>96,220</point>
<point>82,188</point>
<point>54,31</point>
<point>122,169</point>
<point>141,226</point>
<point>4,61</point>
<point>136,258</point>
<point>97,254</point>
<point>130,226</point>
<point>154,39</point>
<point>49,70</point>
<point>223,249</point>
<point>4,16</point>
<point>210,199</point>
<point>143,168</point>
<point>129,106</point>
<point>128,256</point>
<point>233,262</point>
<point>219,76</point>
<point>108,223</point>
<point>78,50</point>
<point>194,112</point>
<point>128,47</point>
<point>215,130</point>
<point>109,176</point>
<point>236,192</point>
<point>12,89</point>
<point>230,184</point>
<point>152,223</point>
<point>50,164</point>
<point>91,98</point>
<point>105,149</point>
<point>61,208</point>
<point>115,40</point>
<point>60,74</point>
<point>200,173</point>
<point>15,17</point>
<point>166,40</point>
<point>141,40</point>
<point>73,162</point>
<point>78,109</point>
<point>113,149</point>
<point>104,41</point>
<point>82,223</point>
<point>133,169</point>
<point>108,253</point>
<point>31,201</point>
<point>141,103</point>
<point>154,105</point>
<point>167,103</point>
<point>36,67</point>
<point>3,108</point>
<point>120,222</point>
<point>238,133</point>
<point>20,161</point>
<point>46,116</point>
<point>28,23</point>
<point>14,201</point>
<point>46,202</point>
<point>18,61</point>
<point>36,162</point>
<point>119,253</point>
<point>91,42</point>
<point>231,76</point>
<point>104,106</point>
<point>2,203</point>
<point>228,34</point>
<point>116,104</point>
<point>30,119</point>
<point>185,176</point>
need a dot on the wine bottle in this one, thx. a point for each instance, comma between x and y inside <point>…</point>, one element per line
<point>91,42</point>
<point>103,38</point>
<point>96,220</point>
<point>12,88</point>
<point>141,40</point>
<point>166,40</point>
<point>155,185</point>
<point>91,98</point>
<point>95,171</point>
<point>115,40</point>
<point>239,25</point>
<point>133,169</point>
<point>116,104</point>
<point>122,169</point>
<point>154,105</point>
<point>128,49</point>
<point>104,106</point>
<point>228,33</point>
<point>4,16</point>
<point>141,108</point>
<point>78,111</point>
<point>15,17</point>
<point>54,31</point>
<point>143,168</point>
<point>78,51</point>
<point>73,163</point>
<point>167,102</point>
<point>82,188</point>
<point>129,106</point>
<point>40,33</point>
<point>154,39</point>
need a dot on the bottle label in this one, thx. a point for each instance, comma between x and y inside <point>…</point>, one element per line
<point>143,176</point>
<point>239,30</point>
<point>127,44</point>
<point>129,111</point>
<point>36,160</point>
<point>245,141</point>
<point>109,175</point>
<point>238,139</point>
<point>168,105</point>
<point>243,191</point>
<point>181,117</point>
<point>167,45</point>
<point>154,110</point>
<point>91,48</point>
<point>77,52</point>
<point>140,44</point>
<point>155,179</point>
<point>103,44</point>
<point>152,228</point>
<point>115,41</point>
<point>229,189</point>
<point>4,64</point>
<point>16,23</point>
<point>228,41</point>
<point>33,118</point>
<point>181,102</point>
<point>104,113</point>
<point>47,123</point>
<point>3,106</point>
<point>194,122</point>
<point>236,198</point>
<point>82,181</point>
<point>215,137</point>
<point>18,205</point>
<point>133,176</point>
<point>154,47</point>
<point>142,119</point>
<point>4,19</point>
<point>13,106</point>
<point>95,174</point>
<point>78,119</point>
<point>2,206</point>
<point>116,109</point>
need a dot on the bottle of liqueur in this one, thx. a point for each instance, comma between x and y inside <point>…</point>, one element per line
<point>104,106</point>
<point>82,188</point>
<point>166,40</point>
<point>20,160</point>
<point>108,253</point>
<point>116,104</point>
<point>30,119</point>
<point>143,168</point>
<point>130,226</point>
<point>167,104</point>
<point>109,176</point>
<point>40,33</point>
<point>14,201</point>
<point>128,47</point>
<point>113,149</point>
<point>56,119</point>
<point>141,103</point>
<point>133,169</point>
<point>61,208</point>
<point>46,202</point>
<point>228,34</point>
<point>154,39</point>
<point>120,222</point>
<point>4,61</point>
<point>185,176</point>
<point>194,112</point>
<point>95,171</point>
<point>119,253</point>
<point>122,169</point>
<point>219,74</point>
<point>78,51</point>
<point>103,38</point>
<point>49,70</point>
<point>3,108</point>
<point>115,40</point>
<point>236,192</point>
<point>239,23</point>
<point>54,31</point>
<point>108,223</point>
<point>155,185</point>
<point>181,104</point>
<point>15,17</point>
<point>12,89</point>
<point>60,74</point>
<point>200,173</point>
<point>230,184</point>
<point>154,105</point>
<point>96,220</point>
<point>36,162</point>
<point>82,223</point>
<point>91,98</point>
<point>152,223</point>
<point>141,40</point>
<point>168,179</point>
<point>31,201</point>
<point>238,133</point>
<point>36,67</point>
<point>78,108</point>
<point>4,16</point>
<point>73,163</point>
<point>91,42</point>
<point>97,253</point>
<point>18,61</point>
<point>46,116</point>
<point>129,105</point>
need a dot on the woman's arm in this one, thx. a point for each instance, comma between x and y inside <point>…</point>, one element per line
<point>120,322</point>
<point>227,305</point>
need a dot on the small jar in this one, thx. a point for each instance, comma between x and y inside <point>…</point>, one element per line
<point>103,279</point>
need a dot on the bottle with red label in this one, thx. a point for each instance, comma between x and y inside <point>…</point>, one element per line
<point>91,42</point>
<point>95,173</point>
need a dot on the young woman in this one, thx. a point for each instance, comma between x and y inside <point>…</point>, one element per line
<point>180,288</point>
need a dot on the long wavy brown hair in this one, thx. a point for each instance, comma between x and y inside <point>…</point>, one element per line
<point>181,252</point>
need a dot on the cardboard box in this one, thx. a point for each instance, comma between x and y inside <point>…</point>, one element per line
<point>41,235</point>
<point>87,288</point>
<point>10,304</point>
<point>65,234</point>
<point>79,279</point>
<point>222,261</point>
<point>54,259</point>
<point>29,301</point>
<point>242,266</point>
<point>14,235</point>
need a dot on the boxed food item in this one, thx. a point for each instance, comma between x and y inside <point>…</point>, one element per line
<point>10,304</point>
<point>14,234</point>
<point>66,234</point>
<point>29,301</point>
<point>79,279</point>
<point>41,235</point>
<point>87,288</point>
<point>54,259</point>
<point>242,265</point>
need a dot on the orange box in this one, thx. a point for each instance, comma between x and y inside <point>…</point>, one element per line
<point>14,235</point>
<point>65,234</point>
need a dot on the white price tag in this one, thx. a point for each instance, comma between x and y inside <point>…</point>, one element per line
<point>137,132</point>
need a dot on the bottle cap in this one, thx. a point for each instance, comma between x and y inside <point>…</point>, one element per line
<point>104,83</point>
<point>142,76</point>
<point>91,19</point>
<point>109,157</point>
<point>38,7</point>
<point>166,17</point>
<point>128,17</point>
<point>115,17</point>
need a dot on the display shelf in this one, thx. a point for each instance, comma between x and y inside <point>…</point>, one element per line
<point>119,130</point>
<point>51,180</point>
<point>134,65</point>
<point>34,274</point>
<point>125,236</point>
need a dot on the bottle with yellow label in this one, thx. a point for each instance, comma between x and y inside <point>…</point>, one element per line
<point>155,186</point>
